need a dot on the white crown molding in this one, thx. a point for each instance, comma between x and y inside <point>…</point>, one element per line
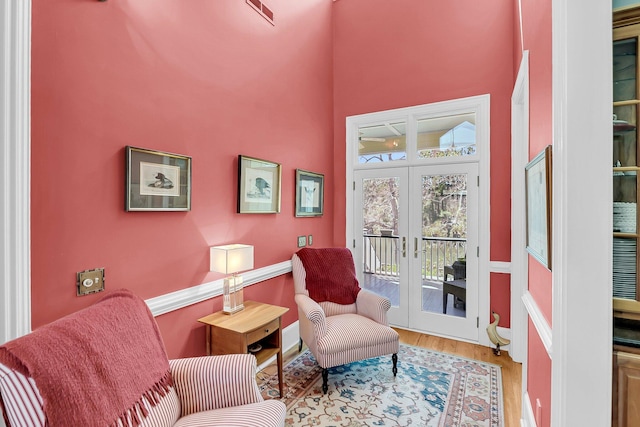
<point>184,297</point>
<point>15,56</point>
<point>539,321</point>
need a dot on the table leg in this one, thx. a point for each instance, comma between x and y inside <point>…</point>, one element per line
<point>444,301</point>
<point>280,373</point>
<point>208,332</point>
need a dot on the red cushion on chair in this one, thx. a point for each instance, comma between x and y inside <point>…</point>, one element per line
<point>330,274</point>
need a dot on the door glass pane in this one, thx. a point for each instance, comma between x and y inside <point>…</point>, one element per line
<point>448,136</point>
<point>624,69</point>
<point>385,142</point>
<point>380,237</point>
<point>444,238</point>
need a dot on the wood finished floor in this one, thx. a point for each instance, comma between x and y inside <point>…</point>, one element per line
<point>511,371</point>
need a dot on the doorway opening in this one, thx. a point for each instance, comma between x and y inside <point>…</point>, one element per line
<point>415,214</point>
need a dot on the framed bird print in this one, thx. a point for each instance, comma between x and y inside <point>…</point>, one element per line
<point>258,185</point>
<point>157,181</point>
<point>309,193</point>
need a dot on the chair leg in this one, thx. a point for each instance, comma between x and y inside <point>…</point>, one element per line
<point>394,357</point>
<point>300,346</point>
<point>325,379</point>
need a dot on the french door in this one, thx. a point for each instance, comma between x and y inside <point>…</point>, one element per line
<point>413,224</point>
<point>380,243</point>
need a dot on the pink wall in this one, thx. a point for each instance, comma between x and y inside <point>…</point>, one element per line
<point>500,297</point>
<point>536,38</point>
<point>410,52</point>
<point>538,372</point>
<point>214,80</point>
<point>206,79</point>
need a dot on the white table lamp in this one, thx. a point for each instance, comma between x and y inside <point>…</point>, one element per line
<point>231,259</point>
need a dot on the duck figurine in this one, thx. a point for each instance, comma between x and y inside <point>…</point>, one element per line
<point>492,331</point>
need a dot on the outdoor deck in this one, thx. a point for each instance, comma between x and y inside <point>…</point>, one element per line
<point>431,293</point>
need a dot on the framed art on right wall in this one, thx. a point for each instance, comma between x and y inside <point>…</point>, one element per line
<point>538,191</point>
<point>309,193</point>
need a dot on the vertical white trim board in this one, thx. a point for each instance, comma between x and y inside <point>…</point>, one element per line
<point>519,159</point>
<point>582,213</point>
<point>15,57</point>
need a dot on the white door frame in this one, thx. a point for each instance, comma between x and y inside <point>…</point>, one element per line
<point>481,105</point>
<point>519,257</point>
<point>582,212</point>
<point>15,60</point>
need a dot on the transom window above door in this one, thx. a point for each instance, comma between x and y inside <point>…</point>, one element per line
<point>448,136</point>
<point>442,132</point>
<point>384,142</point>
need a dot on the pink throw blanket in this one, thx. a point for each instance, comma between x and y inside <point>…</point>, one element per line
<point>93,367</point>
<point>330,274</point>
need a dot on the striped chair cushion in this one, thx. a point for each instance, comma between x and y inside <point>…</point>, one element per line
<point>333,309</point>
<point>206,383</point>
<point>23,403</point>
<point>165,413</point>
<point>269,413</point>
<point>21,399</point>
<point>351,337</point>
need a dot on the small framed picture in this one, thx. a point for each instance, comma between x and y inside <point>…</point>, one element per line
<point>309,193</point>
<point>157,181</point>
<point>258,185</point>
<point>538,191</point>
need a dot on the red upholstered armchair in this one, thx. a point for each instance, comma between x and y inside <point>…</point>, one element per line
<point>339,322</point>
<point>106,366</point>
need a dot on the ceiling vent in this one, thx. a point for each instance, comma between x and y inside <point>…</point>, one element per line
<point>262,9</point>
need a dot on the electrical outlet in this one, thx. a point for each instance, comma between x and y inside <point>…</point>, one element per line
<point>310,239</point>
<point>302,241</point>
<point>90,281</point>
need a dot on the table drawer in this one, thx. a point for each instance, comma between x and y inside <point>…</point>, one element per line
<point>263,331</point>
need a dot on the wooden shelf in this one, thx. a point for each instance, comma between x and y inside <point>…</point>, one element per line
<point>626,308</point>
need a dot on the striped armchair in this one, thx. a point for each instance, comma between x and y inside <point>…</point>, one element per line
<point>337,334</point>
<point>207,391</point>
<point>106,365</point>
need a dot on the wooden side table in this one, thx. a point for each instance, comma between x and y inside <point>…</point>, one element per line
<point>258,323</point>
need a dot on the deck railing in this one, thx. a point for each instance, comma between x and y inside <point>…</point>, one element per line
<point>381,254</point>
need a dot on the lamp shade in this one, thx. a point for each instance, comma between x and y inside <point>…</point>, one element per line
<point>229,259</point>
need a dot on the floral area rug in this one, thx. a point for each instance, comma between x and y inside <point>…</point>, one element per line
<point>431,389</point>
